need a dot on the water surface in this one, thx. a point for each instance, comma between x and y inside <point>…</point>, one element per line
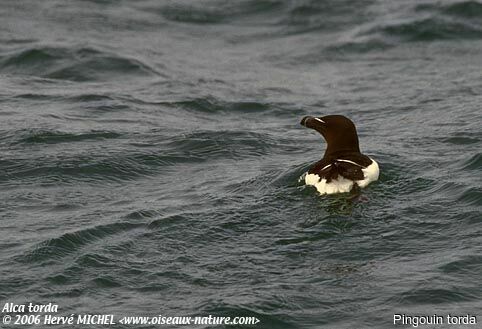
<point>150,156</point>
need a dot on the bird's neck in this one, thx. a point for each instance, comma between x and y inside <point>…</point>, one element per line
<point>339,152</point>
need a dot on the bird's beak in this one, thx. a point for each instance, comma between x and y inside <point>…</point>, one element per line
<point>312,122</point>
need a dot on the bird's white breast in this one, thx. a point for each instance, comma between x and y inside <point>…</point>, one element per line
<point>371,174</point>
<point>341,184</point>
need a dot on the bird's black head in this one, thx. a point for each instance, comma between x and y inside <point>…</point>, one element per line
<point>338,131</point>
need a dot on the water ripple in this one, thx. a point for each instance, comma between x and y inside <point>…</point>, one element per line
<point>69,243</point>
<point>39,136</point>
<point>74,64</point>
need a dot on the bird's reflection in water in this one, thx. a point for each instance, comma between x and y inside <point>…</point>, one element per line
<point>336,211</point>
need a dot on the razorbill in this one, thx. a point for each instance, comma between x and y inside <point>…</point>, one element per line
<point>343,166</point>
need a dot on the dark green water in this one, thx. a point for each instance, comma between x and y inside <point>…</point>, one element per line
<point>150,156</point>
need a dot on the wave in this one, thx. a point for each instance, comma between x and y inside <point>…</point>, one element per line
<point>430,296</point>
<point>96,104</point>
<point>328,16</point>
<point>463,9</point>
<point>73,64</point>
<point>115,166</point>
<point>426,23</point>
<point>471,196</point>
<point>269,179</point>
<point>429,29</point>
<point>230,144</point>
<point>462,139</point>
<point>384,36</point>
<point>91,169</point>
<point>434,22</point>
<point>70,242</point>
<point>40,136</point>
<point>464,264</point>
<point>474,163</point>
<point>216,12</point>
<point>213,105</point>
<point>356,47</point>
<point>281,18</point>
